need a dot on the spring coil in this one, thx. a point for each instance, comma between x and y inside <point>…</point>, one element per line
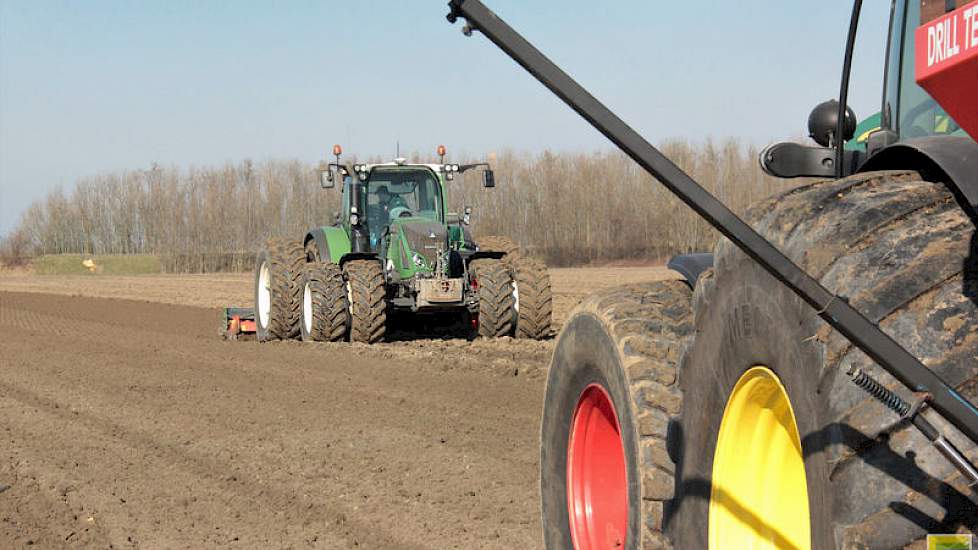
<point>892,401</point>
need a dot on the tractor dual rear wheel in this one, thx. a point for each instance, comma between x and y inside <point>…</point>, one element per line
<point>279,268</point>
<point>778,447</point>
<point>325,305</point>
<point>496,300</point>
<point>367,291</point>
<point>605,469</point>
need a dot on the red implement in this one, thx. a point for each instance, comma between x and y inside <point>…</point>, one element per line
<point>947,63</point>
<point>238,321</point>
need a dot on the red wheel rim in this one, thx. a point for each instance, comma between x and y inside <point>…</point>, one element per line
<point>597,484</point>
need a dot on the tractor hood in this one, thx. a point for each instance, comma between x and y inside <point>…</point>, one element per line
<point>423,237</point>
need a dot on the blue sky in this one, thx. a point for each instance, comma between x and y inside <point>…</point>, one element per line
<point>97,86</point>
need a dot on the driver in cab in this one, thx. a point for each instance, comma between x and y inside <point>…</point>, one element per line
<point>391,205</point>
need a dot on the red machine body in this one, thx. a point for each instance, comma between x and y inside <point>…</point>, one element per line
<point>947,63</point>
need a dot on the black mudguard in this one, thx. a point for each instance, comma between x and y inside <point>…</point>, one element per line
<point>952,160</point>
<point>321,244</point>
<point>691,266</point>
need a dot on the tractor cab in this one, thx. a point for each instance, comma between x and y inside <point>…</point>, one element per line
<point>927,121</point>
<point>395,194</point>
<point>909,111</point>
<point>397,211</point>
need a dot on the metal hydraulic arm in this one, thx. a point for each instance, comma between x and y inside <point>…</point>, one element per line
<point>835,310</point>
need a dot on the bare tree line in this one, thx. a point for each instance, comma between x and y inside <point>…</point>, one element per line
<point>568,208</point>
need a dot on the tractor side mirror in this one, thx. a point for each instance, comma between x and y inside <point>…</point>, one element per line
<point>326,179</point>
<point>823,120</point>
<point>467,216</point>
<point>488,178</point>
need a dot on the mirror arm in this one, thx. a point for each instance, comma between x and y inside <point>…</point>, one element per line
<point>344,169</point>
<point>844,89</point>
<point>463,167</point>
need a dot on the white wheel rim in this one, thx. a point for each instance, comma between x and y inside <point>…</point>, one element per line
<point>516,297</point>
<point>307,308</point>
<point>264,295</point>
<point>349,296</point>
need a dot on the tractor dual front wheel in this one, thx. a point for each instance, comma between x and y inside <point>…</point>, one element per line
<point>325,305</point>
<point>367,293</point>
<point>496,297</point>
<point>278,286</point>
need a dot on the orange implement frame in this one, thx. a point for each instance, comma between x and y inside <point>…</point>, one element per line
<point>238,321</point>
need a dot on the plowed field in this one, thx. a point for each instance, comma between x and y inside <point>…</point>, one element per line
<point>126,422</point>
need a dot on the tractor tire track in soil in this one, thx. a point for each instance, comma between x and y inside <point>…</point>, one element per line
<point>129,424</point>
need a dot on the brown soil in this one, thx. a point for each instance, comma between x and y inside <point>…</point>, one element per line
<point>570,286</point>
<point>130,424</point>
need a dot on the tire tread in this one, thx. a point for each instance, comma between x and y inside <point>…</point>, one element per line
<point>496,303</point>
<point>535,298</point>
<point>330,307</point>
<point>650,323</point>
<point>368,318</point>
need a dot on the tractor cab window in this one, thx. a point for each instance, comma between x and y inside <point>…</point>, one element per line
<point>396,192</point>
<point>917,114</point>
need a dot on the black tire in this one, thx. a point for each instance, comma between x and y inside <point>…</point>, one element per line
<point>627,340</point>
<point>533,300</point>
<point>284,261</point>
<point>368,300</point>
<point>895,246</point>
<point>496,312</point>
<point>325,308</point>
<point>500,244</point>
<point>295,255</point>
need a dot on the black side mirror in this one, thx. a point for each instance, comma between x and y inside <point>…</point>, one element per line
<point>488,178</point>
<point>325,175</point>
<point>326,179</point>
<point>823,120</point>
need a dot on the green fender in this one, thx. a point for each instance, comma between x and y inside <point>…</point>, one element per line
<point>332,242</point>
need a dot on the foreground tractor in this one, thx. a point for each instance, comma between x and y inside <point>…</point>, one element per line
<point>810,384</point>
<point>395,248</point>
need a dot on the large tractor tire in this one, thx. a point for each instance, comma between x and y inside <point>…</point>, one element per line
<point>312,252</point>
<point>496,300</point>
<point>278,287</point>
<point>606,474</point>
<point>368,300</point>
<point>500,244</point>
<point>325,305</point>
<point>532,297</point>
<point>776,446</point>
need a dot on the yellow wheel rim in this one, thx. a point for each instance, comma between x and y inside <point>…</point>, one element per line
<point>759,498</point>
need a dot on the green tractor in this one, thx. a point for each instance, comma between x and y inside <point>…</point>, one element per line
<point>395,248</point>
